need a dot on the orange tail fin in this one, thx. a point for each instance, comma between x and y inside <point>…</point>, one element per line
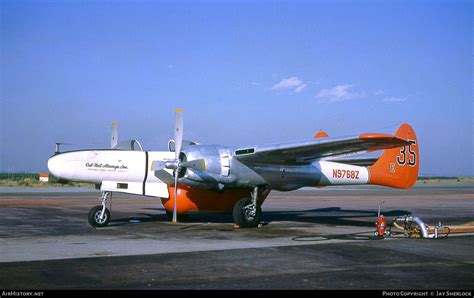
<point>398,167</point>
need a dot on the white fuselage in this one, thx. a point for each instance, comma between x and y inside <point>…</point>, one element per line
<point>116,170</point>
<point>130,172</point>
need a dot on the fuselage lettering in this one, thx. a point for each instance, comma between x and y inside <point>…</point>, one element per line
<point>348,174</point>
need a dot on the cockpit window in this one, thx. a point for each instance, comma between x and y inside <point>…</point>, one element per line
<point>132,145</point>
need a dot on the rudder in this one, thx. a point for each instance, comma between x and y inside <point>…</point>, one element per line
<point>398,167</point>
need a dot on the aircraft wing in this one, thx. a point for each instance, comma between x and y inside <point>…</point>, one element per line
<point>305,152</point>
<point>362,162</point>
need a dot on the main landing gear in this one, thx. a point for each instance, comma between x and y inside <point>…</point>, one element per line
<point>247,212</point>
<point>99,216</point>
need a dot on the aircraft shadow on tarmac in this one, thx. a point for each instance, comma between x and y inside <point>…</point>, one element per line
<point>325,216</point>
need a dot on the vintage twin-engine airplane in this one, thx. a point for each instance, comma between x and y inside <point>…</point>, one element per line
<point>215,178</point>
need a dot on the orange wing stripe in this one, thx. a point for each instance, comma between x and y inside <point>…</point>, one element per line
<point>371,136</point>
<point>384,141</point>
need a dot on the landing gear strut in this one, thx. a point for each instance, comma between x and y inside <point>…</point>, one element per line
<point>247,212</point>
<point>99,216</point>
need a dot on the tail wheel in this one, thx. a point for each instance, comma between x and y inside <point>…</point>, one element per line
<point>246,215</point>
<point>95,218</point>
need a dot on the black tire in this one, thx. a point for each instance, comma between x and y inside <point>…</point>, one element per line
<point>94,217</point>
<point>242,217</point>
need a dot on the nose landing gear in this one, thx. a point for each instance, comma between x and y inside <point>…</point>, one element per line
<point>99,216</point>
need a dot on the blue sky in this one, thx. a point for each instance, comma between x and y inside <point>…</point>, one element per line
<point>245,73</point>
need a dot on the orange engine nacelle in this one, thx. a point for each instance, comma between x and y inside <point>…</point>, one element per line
<point>193,200</point>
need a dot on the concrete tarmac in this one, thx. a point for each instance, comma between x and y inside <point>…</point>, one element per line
<point>309,239</point>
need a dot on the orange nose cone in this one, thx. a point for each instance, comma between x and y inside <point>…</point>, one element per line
<point>320,134</point>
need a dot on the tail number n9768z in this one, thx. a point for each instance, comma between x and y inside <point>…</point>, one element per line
<point>348,174</point>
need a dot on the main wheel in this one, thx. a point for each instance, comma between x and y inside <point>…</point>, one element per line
<point>94,217</point>
<point>245,215</point>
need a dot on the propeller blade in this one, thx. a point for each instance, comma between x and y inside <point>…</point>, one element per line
<point>176,174</point>
<point>114,136</point>
<point>178,132</point>
<point>164,176</point>
<point>197,164</point>
<point>157,165</point>
<point>178,142</point>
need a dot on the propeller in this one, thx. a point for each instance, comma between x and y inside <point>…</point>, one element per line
<point>178,139</point>
<point>176,165</point>
<point>114,135</point>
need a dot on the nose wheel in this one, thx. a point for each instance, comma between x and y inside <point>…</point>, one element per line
<point>99,216</point>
